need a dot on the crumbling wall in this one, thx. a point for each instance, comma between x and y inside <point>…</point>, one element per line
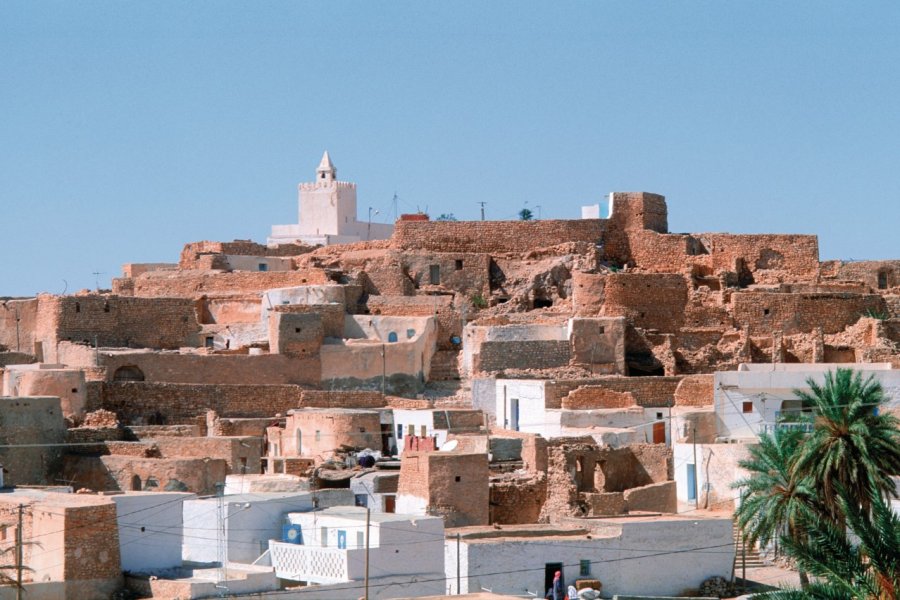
<point>802,313</point>
<point>517,500</point>
<point>191,283</point>
<point>594,397</point>
<point>493,236</point>
<point>162,323</point>
<point>695,390</point>
<point>648,300</point>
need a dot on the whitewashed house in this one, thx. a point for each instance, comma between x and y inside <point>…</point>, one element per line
<point>760,397</point>
<point>648,556</point>
<point>327,548</point>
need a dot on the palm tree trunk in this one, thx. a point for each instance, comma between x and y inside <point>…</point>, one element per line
<point>804,579</point>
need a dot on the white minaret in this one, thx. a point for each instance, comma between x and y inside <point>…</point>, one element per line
<point>327,213</point>
<point>326,173</point>
<point>327,206</point>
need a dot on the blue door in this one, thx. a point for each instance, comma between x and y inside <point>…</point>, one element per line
<point>692,482</point>
<point>342,539</point>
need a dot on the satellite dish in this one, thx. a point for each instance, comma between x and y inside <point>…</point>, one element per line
<point>450,446</point>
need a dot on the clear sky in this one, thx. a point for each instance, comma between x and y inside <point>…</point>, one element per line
<point>128,129</point>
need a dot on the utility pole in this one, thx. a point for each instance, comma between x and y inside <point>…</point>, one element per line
<point>17,330</point>
<point>538,207</point>
<point>383,368</point>
<point>19,544</point>
<point>458,590</point>
<point>221,540</point>
<point>368,514</point>
<point>482,209</point>
<point>696,471</point>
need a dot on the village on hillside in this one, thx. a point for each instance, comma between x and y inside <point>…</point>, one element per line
<point>435,408</point>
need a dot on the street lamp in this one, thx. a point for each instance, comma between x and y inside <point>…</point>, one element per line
<point>369,228</point>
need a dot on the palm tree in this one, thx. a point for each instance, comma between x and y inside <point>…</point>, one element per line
<point>865,568</point>
<point>852,446</point>
<point>774,497</point>
<point>526,215</point>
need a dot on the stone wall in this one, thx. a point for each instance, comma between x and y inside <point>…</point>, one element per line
<point>802,313</point>
<point>33,422</point>
<point>594,397</point>
<point>163,323</point>
<point>498,356</point>
<point>192,284</point>
<point>695,390</point>
<point>649,392</point>
<point>647,300</point>
<point>215,368</point>
<point>517,500</point>
<point>494,236</point>
<point>141,403</point>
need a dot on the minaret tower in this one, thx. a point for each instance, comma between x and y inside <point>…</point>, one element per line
<point>326,173</point>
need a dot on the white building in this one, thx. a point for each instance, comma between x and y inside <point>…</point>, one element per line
<point>328,548</point>
<point>328,213</point>
<point>757,397</point>
<point>521,405</point>
<point>653,556</point>
<point>250,521</point>
<point>150,529</point>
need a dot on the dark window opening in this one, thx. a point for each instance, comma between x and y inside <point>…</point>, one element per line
<point>502,300</point>
<point>765,312</point>
<point>296,330</point>
<point>882,280</point>
<point>543,303</point>
<point>584,568</point>
<point>210,341</point>
<point>77,307</point>
<point>262,267</point>
<point>434,274</point>
<point>459,264</point>
<point>747,407</point>
<point>74,390</point>
<point>601,329</point>
<point>458,479</point>
<point>128,373</point>
<point>106,307</point>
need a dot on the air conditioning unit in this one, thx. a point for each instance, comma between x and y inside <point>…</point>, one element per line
<point>291,534</point>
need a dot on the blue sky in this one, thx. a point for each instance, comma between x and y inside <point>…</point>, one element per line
<point>129,129</point>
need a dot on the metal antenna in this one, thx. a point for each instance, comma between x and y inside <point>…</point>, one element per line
<point>482,209</point>
<point>97,275</point>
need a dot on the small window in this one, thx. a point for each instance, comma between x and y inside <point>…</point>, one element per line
<point>362,429</point>
<point>748,407</point>
<point>106,307</point>
<point>262,267</point>
<point>318,435</point>
<point>424,430</point>
<point>434,274</point>
<point>74,390</point>
<point>152,482</point>
<point>361,500</point>
<point>584,568</point>
<point>765,312</point>
<point>659,415</point>
<point>77,307</point>
<point>457,479</point>
<point>392,337</point>
<point>459,264</point>
<point>210,341</point>
<point>882,280</point>
<point>296,330</point>
<point>399,432</point>
<point>601,330</point>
